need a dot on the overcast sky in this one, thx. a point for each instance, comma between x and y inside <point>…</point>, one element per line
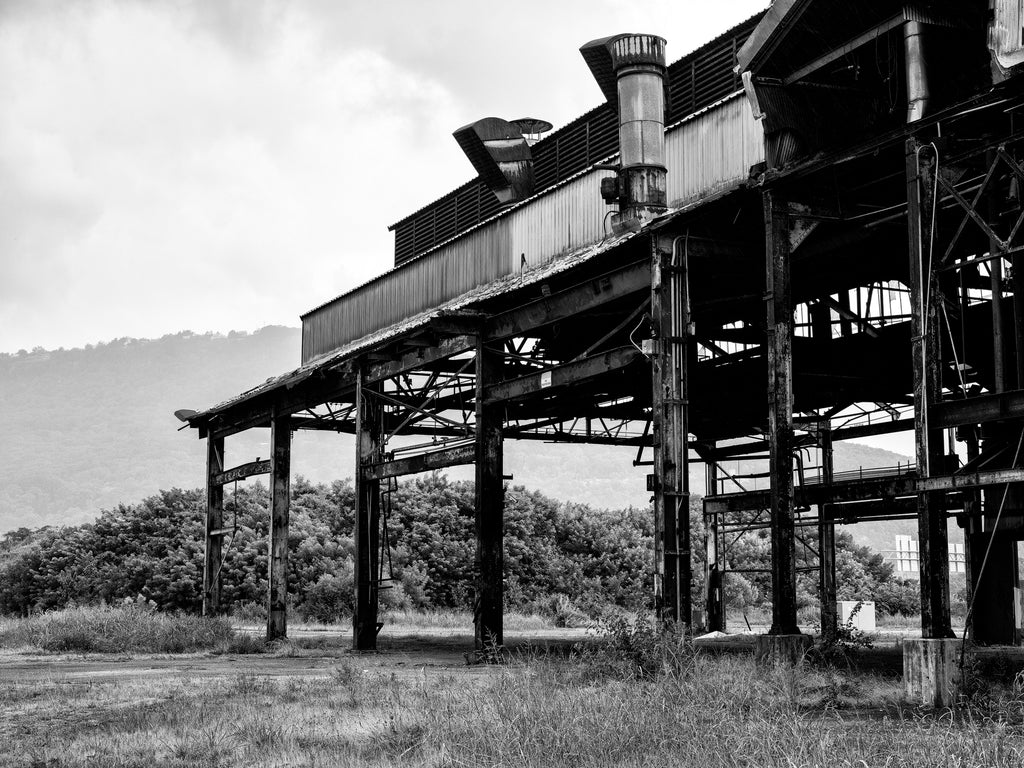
<point>228,164</point>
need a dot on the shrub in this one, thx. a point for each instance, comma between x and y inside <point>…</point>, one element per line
<point>331,599</point>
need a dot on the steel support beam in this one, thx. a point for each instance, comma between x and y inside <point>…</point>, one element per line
<point>871,489</point>
<point>995,406</point>
<point>369,413</point>
<point>563,375</point>
<point>925,298</point>
<point>241,472</point>
<point>280,497</point>
<point>490,499</point>
<point>213,556</point>
<point>571,302</point>
<point>422,462</point>
<point>780,412</point>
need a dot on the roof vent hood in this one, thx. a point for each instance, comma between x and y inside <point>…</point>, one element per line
<point>630,70</point>
<point>501,154</point>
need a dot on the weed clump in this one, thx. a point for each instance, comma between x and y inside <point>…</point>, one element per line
<point>841,647</point>
<point>636,649</point>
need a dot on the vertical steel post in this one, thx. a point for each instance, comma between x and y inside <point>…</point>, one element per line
<point>780,412</point>
<point>490,501</point>
<point>999,367</point>
<point>827,543</point>
<point>369,418</point>
<point>669,369</point>
<point>927,360</point>
<point>714,600</point>
<point>994,618</point>
<point>214,522</point>
<point>280,496</point>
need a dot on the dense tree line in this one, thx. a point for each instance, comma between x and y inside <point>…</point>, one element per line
<point>557,555</point>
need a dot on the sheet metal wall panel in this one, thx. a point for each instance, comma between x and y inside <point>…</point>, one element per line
<point>713,150</point>
<point>569,217</point>
<point>706,153</point>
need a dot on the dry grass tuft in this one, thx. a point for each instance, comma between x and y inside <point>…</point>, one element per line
<point>123,629</point>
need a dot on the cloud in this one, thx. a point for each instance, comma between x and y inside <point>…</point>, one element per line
<point>214,165</point>
<point>159,180</point>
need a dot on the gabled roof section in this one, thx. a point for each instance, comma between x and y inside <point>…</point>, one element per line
<point>794,33</point>
<point>769,33</point>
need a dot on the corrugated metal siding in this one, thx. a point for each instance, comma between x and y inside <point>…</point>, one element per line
<point>480,257</point>
<point>712,150</point>
<point>568,217</point>
<point>706,153</point>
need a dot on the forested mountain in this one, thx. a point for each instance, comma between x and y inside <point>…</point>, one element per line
<point>86,429</point>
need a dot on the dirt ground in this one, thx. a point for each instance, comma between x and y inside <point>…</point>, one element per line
<point>405,653</point>
<point>412,653</point>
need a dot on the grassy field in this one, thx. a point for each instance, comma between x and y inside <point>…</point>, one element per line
<point>714,712</point>
<point>629,699</point>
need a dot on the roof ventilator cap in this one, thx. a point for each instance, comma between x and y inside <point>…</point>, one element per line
<point>501,154</point>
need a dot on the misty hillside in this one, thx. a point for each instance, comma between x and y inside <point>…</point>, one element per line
<point>89,428</point>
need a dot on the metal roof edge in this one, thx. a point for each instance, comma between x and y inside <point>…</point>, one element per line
<point>766,35</point>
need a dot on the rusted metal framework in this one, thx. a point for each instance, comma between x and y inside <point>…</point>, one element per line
<point>861,277</point>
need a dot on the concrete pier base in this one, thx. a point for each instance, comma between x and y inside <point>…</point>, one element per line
<point>930,670</point>
<point>780,650</point>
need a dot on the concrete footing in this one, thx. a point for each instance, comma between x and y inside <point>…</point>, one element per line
<point>930,669</point>
<point>780,650</point>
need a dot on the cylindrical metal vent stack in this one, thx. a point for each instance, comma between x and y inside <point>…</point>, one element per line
<point>917,74</point>
<point>630,69</point>
<point>639,65</point>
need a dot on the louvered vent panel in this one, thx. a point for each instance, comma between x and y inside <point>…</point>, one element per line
<point>545,167</point>
<point>424,231</point>
<point>445,225</point>
<point>572,151</point>
<point>489,204</point>
<point>469,206</point>
<point>405,245</point>
<point>604,135</point>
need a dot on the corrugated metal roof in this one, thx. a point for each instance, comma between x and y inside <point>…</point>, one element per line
<point>421,320</point>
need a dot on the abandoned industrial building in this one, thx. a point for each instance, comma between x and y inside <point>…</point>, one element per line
<point>806,231</point>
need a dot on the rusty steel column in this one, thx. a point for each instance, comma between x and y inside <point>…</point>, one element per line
<point>280,497</point>
<point>780,412</point>
<point>669,426</point>
<point>369,418</point>
<point>827,544</point>
<point>927,361</point>
<point>214,523</point>
<point>488,614</point>
<point>714,581</point>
